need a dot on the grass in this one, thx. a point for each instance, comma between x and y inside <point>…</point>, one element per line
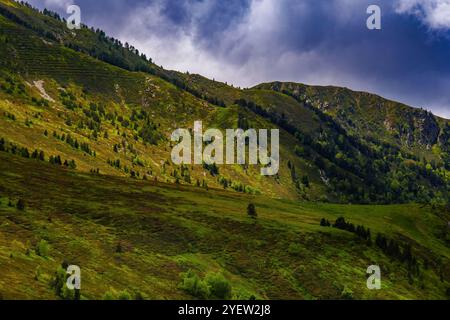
<point>165,230</point>
<point>120,91</point>
<point>138,236</point>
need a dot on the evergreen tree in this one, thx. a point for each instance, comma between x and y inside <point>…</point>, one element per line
<point>251,211</point>
<point>20,205</point>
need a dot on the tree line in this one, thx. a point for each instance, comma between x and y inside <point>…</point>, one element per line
<point>37,154</point>
<point>392,248</point>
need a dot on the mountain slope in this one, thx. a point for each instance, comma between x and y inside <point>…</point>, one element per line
<point>137,237</point>
<point>331,160</point>
<point>120,106</point>
<point>86,178</point>
<point>371,116</point>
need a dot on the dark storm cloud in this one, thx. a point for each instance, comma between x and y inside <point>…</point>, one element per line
<point>311,41</point>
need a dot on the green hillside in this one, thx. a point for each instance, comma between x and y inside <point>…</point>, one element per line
<point>139,237</point>
<point>85,125</point>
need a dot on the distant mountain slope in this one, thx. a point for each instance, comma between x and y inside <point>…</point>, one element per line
<point>370,115</point>
<point>89,98</point>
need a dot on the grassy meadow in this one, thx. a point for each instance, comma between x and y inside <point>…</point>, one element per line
<point>135,237</point>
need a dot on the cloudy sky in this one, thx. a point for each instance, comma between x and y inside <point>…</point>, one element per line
<point>324,42</point>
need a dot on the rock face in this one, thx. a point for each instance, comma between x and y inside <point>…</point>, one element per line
<point>417,127</point>
<point>428,129</point>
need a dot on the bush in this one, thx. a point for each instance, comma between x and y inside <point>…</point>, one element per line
<point>251,211</point>
<point>219,286</point>
<point>347,294</point>
<point>60,287</point>
<point>294,249</point>
<point>193,285</point>
<point>138,296</point>
<point>20,205</point>
<point>37,273</point>
<point>108,296</point>
<point>213,286</point>
<point>124,295</point>
<point>42,248</point>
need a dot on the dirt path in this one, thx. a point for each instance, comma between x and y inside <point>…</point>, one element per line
<point>40,86</point>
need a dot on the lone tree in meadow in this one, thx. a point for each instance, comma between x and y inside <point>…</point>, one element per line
<point>251,211</point>
<point>20,205</point>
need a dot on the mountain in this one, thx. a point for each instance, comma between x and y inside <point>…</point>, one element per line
<point>348,145</point>
<point>89,119</point>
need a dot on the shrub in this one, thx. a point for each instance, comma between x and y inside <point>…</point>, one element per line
<point>139,296</point>
<point>193,285</point>
<point>20,205</point>
<point>108,296</point>
<point>219,286</point>
<point>294,249</point>
<point>213,286</point>
<point>42,248</point>
<point>124,295</point>
<point>60,287</point>
<point>347,294</point>
<point>251,211</point>
<point>212,168</point>
<point>37,273</point>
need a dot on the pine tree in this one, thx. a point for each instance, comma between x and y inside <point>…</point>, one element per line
<point>20,205</point>
<point>251,211</point>
<point>72,165</point>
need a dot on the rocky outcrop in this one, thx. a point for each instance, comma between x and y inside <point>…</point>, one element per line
<point>417,127</point>
<point>427,127</point>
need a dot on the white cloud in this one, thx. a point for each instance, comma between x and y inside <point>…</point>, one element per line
<point>172,46</point>
<point>434,13</point>
<point>287,40</point>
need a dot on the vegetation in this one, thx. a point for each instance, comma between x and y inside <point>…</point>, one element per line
<point>86,176</point>
<point>213,286</point>
<point>175,229</point>
<point>251,211</point>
